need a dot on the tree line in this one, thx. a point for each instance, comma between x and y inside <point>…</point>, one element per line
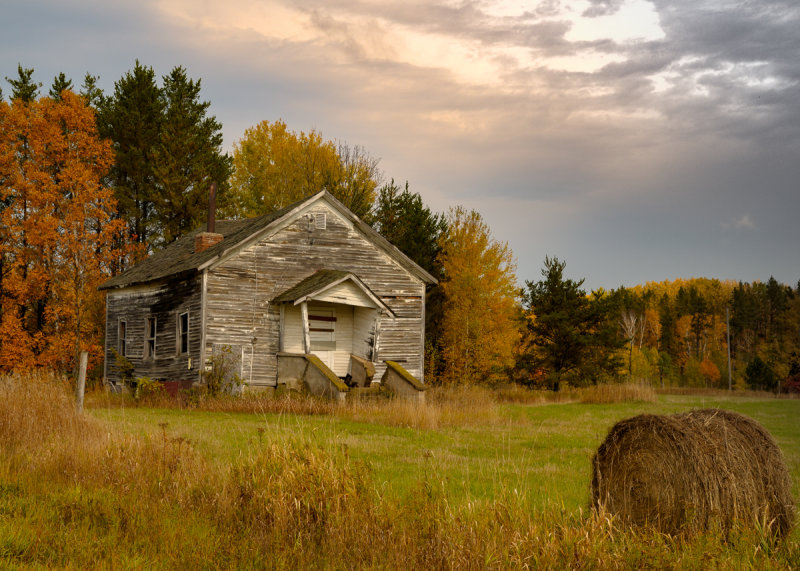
<point>92,182</point>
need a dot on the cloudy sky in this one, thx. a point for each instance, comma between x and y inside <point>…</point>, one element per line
<point>637,140</point>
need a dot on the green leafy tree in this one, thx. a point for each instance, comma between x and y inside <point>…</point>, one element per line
<point>188,158</point>
<point>569,331</point>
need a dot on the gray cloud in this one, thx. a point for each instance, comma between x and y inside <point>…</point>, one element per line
<point>679,158</point>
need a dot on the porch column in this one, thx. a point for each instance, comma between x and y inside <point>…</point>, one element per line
<point>282,329</point>
<point>306,332</point>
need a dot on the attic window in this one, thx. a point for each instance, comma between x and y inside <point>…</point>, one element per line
<point>320,221</point>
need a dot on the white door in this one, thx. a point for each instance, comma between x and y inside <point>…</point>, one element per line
<point>322,331</point>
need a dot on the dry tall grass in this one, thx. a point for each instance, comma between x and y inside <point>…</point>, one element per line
<point>97,499</point>
<point>444,407</point>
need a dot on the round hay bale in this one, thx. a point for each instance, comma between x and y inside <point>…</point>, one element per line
<point>682,472</point>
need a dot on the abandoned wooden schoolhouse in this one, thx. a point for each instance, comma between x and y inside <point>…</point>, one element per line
<point>306,296</point>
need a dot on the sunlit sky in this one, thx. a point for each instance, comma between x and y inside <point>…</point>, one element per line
<point>639,141</point>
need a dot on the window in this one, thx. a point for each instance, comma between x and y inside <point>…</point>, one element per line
<point>122,338</point>
<point>320,221</point>
<point>183,333</point>
<point>150,341</point>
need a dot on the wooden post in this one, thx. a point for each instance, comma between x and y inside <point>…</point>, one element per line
<point>306,332</point>
<point>82,379</point>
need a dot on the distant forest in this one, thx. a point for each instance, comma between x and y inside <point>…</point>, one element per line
<point>92,182</point>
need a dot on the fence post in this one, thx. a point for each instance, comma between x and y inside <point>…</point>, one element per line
<point>82,379</point>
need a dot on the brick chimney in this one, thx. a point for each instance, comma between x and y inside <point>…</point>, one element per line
<point>204,240</point>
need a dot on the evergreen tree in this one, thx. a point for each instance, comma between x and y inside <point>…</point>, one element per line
<point>402,218</point>
<point>24,88</point>
<point>93,95</point>
<point>60,83</point>
<point>132,118</point>
<point>188,158</point>
<point>569,331</point>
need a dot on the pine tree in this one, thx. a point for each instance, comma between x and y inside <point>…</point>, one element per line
<point>569,330</point>
<point>132,118</point>
<point>188,157</point>
<point>60,83</point>
<point>93,95</point>
<point>24,88</point>
<point>402,218</point>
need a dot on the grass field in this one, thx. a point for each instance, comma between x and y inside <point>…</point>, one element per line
<point>471,481</point>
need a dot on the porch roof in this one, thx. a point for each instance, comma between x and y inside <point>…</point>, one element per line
<point>322,286</point>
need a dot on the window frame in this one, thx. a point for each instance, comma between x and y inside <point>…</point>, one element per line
<point>150,336</point>
<point>182,337</point>
<point>122,337</point>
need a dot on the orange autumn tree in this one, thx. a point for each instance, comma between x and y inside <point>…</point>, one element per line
<point>480,329</point>
<point>57,232</point>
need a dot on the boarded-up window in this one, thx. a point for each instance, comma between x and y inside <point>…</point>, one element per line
<point>183,333</point>
<point>150,341</point>
<point>322,329</point>
<point>122,338</point>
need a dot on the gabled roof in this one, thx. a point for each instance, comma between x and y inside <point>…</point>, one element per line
<point>321,282</point>
<point>180,258</point>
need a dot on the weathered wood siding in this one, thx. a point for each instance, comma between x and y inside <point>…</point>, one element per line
<point>346,292</point>
<point>165,302</point>
<point>239,291</point>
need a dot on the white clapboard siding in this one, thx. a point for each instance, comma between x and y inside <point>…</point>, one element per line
<point>240,290</point>
<point>348,293</point>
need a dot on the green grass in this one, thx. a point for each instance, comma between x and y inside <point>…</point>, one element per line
<point>466,483</point>
<point>543,450</point>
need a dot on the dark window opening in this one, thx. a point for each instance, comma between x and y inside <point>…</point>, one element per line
<point>122,340</point>
<point>150,346</point>
<point>183,333</point>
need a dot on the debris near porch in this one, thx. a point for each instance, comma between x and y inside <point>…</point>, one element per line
<point>305,371</point>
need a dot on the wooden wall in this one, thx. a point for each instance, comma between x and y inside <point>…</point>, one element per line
<point>240,289</point>
<point>164,301</point>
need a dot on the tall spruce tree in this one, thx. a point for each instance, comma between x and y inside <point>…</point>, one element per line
<point>132,118</point>
<point>569,330</point>
<point>60,83</point>
<point>93,95</point>
<point>24,88</point>
<point>402,218</point>
<point>188,158</point>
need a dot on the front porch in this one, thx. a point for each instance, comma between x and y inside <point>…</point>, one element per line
<point>307,372</point>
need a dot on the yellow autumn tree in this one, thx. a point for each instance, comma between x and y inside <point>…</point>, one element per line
<point>274,167</point>
<point>480,325</point>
